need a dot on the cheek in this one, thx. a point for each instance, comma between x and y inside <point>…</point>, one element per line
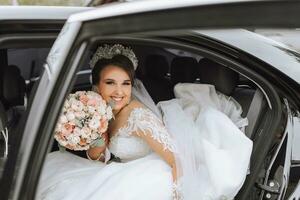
<point>127,92</point>
<point>104,91</point>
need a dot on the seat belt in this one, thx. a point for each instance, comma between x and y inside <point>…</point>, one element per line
<point>253,112</point>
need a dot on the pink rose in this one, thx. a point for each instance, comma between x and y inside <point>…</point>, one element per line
<point>65,132</point>
<point>69,127</point>
<point>92,102</point>
<point>84,99</point>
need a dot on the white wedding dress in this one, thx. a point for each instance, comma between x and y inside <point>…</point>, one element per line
<point>211,152</point>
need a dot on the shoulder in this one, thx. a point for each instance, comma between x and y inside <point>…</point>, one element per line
<point>134,110</point>
<point>133,105</point>
<point>126,115</point>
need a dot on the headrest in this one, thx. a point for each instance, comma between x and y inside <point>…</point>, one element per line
<point>156,66</point>
<point>13,86</point>
<point>183,70</point>
<point>223,78</point>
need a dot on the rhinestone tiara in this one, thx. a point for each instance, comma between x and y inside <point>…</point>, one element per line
<point>109,51</point>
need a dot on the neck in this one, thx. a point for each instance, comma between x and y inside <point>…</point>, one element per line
<point>115,112</point>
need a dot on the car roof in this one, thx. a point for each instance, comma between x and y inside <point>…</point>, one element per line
<point>272,52</point>
<point>39,12</point>
<point>117,9</point>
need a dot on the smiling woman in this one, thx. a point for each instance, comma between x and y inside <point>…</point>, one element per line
<point>114,78</point>
<point>141,139</point>
<point>115,85</point>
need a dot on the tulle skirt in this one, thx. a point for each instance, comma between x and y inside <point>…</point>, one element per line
<point>68,177</point>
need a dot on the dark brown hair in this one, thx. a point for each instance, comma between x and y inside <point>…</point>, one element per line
<point>119,60</point>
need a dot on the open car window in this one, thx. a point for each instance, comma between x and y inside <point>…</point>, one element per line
<point>20,75</point>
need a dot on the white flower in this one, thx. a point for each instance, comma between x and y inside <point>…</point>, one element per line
<point>63,119</point>
<point>70,116</point>
<point>79,115</point>
<point>77,131</point>
<point>73,139</point>
<point>86,130</point>
<point>66,105</point>
<point>58,127</point>
<point>94,136</point>
<point>77,106</point>
<point>94,123</point>
<point>91,109</point>
<point>109,113</point>
<point>102,110</point>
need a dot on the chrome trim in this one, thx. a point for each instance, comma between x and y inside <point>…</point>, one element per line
<point>48,71</point>
<point>83,72</point>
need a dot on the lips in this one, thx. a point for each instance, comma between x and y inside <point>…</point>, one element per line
<point>117,99</point>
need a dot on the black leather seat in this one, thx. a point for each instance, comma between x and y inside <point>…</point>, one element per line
<point>13,94</point>
<point>155,80</point>
<point>225,81</point>
<point>183,70</point>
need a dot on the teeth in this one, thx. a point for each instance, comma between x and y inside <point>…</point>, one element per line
<point>117,98</point>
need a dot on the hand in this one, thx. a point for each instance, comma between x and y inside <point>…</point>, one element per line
<point>105,138</point>
<point>176,190</point>
<point>97,148</point>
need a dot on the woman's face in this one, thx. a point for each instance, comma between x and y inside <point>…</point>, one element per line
<point>115,85</point>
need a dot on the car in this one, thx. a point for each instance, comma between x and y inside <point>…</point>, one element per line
<point>195,42</point>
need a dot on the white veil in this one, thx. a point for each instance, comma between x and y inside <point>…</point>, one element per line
<point>140,93</point>
<point>212,154</point>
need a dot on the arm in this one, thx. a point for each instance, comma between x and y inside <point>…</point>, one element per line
<point>159,148</point>
<point>147,126</point>
<point>157,137</point>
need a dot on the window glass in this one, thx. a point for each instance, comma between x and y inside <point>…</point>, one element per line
<point>21,70</point>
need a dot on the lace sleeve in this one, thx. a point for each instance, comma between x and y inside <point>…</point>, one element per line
<point>142,120</point>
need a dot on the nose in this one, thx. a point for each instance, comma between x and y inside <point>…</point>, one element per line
<point>119,90</point>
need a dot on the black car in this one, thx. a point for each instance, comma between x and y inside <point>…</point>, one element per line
<point>175,42</point>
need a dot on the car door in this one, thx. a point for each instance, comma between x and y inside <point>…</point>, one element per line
<point>125,19</point>
<point>21,42</point>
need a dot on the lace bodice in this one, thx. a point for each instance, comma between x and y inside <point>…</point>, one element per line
<point>128,146</point>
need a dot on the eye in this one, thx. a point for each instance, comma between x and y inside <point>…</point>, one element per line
<point>127,83</point>
<point>109,82</point>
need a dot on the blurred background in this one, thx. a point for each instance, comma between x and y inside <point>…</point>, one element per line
<point>56,2</point>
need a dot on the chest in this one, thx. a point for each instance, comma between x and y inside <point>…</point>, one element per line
<point>128,147</point>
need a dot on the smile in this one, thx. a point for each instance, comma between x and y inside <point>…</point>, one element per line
<point>117,99</point>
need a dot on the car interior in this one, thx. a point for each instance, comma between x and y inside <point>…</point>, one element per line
<point>20,70</point>
<point>160,69</point>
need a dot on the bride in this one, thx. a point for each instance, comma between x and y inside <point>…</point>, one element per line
<point>166,151</point>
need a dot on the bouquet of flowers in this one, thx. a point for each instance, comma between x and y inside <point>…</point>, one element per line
<point>84,119</point>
